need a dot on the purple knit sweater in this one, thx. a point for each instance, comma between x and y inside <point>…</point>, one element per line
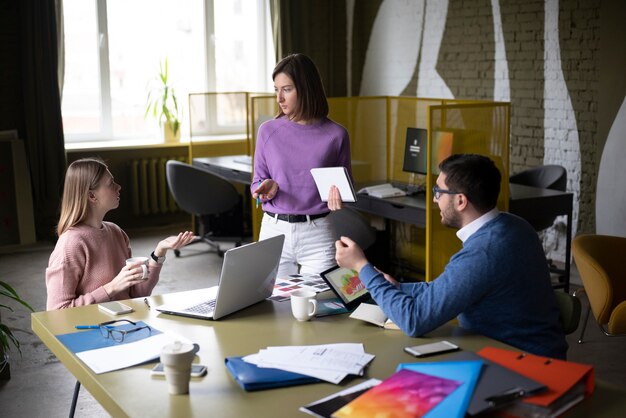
<point>286,152</point>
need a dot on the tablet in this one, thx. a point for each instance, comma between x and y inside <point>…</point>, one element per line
<point>346,285</point>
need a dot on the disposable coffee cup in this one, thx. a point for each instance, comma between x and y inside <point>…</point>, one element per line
<point>177,358</point>
<point>144,265</point>
<point>303,304</point>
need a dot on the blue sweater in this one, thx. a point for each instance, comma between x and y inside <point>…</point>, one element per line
<point>498,285</point>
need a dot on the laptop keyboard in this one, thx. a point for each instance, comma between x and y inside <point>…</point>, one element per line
<point>204,308</point>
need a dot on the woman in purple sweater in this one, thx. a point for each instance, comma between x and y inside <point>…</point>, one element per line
<point>88,262</point>
<point>300,138</point>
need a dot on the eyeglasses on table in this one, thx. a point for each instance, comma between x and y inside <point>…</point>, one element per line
<point>118,335</point>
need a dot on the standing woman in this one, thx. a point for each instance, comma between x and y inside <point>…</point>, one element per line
<point>300,138</point>
<point>88,262</point>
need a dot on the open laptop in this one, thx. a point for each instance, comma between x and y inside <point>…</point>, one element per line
<point>248,276</point>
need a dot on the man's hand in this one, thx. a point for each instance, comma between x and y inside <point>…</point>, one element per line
<point>349,254</point>
<point>389,278</point>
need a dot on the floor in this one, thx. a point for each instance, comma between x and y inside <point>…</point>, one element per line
<point>41,387</point>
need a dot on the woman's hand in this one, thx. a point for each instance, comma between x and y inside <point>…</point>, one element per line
<point>266,191</point>
<point>334,199</point>
<point>173,243</point>
<point>128,276</point>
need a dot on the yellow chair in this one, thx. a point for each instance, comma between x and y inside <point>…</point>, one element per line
<point>600,262</point>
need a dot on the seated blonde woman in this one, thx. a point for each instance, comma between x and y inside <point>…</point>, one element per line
<point>88,264</point>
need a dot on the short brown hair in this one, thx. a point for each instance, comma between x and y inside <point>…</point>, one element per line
<point>82,176</point>
<point>312,102</point>
<point>476,176</point>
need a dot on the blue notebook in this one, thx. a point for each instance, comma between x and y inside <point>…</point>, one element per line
<point>455,404</point>
<point>93,338</point>
<point>250,377</point>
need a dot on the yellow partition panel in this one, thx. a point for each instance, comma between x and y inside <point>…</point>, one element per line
<point>365,119</point>
<point>471,127</point>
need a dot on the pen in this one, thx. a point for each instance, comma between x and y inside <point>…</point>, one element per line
<point>145,300</point>
<point>87,326</point>
<point>258,200</point>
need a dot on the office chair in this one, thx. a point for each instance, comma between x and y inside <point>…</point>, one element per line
<point>600,262</point>
<point>570,308</point>
<point>350,223</point>
<point>202,193</point>
<point>546,177</point>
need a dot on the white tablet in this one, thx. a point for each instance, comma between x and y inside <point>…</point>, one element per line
<point>326,177</point>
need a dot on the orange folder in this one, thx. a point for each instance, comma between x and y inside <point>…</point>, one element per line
<point>558,375</point>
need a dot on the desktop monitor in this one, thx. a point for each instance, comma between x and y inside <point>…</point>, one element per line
<point>416,150</point>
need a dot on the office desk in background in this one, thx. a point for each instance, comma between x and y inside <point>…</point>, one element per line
<point>133,392</point>
<point>524,201</point>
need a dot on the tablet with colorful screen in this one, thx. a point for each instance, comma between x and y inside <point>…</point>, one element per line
<point>347,285</point>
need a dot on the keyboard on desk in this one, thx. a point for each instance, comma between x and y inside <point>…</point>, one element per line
<point>204,308</point>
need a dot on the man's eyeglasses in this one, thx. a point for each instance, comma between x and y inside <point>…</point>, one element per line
<point>437,192</point>
<point>118,335</point>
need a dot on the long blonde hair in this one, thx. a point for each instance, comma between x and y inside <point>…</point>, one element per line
<point>82,176</point>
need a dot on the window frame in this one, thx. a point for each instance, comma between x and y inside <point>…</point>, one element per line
<point>105,133</point>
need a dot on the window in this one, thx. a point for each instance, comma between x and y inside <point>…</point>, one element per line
<point>113,49</point>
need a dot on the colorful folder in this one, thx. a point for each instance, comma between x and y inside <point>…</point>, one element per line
<point>454,405</point>
<point>251,377</point>
<point>405,394</point>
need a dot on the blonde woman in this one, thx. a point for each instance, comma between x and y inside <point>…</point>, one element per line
<point>88,262</point>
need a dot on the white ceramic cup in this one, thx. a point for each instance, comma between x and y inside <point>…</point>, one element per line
<point>177,358</point>
<point>144,266</point>
<point>303,304</point>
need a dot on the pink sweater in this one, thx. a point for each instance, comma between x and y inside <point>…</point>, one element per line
<point>84,259</point>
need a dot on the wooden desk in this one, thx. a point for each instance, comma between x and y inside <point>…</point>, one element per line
<point>524,201</point>
<point>133,392</point>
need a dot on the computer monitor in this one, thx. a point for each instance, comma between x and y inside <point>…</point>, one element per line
<point>416,150</point>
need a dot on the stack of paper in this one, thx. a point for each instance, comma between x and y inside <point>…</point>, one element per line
<point>330,362</point>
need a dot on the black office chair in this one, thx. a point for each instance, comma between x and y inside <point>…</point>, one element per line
<point>546,177</point>
<point>205,195</point>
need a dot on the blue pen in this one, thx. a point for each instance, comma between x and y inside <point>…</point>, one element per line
<point>258,196</point>
<point>87,326</point>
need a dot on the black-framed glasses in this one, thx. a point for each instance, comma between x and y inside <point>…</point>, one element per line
<point>437,192</point>
<point>118,335</point>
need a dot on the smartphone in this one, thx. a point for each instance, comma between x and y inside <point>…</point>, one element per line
<point>197,370</point>
<point>431,348</point>
<point>115,308</point>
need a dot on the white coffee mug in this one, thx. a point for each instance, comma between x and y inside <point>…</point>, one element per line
<point>177,358</point>
<point>144,265</point>
<point>303,304</point>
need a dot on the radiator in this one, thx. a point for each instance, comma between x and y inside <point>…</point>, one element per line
<point>150,194</point>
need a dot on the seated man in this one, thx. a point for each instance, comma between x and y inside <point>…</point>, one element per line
<point>498,284</point>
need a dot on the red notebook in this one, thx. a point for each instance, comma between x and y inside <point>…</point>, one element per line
<point>561,377</point>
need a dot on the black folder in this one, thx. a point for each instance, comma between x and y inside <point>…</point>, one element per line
<point>497,386</point>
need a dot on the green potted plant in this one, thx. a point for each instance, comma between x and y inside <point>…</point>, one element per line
<point>6,335</point>
<point>163,105</point>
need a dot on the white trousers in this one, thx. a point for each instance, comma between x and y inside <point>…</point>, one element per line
<point>308,244</point>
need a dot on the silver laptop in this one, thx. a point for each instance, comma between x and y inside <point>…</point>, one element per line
<point>248,276</point>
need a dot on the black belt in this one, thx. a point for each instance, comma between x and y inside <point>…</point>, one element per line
<point>296,218</point>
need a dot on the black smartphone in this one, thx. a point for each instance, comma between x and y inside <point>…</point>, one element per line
<point>431,348</point>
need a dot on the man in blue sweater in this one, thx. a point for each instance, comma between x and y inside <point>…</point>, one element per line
<point>498,284</point>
